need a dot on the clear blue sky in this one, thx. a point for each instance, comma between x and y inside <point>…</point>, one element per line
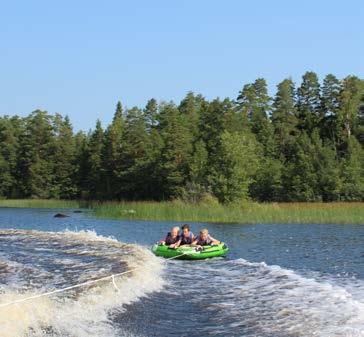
<point>80,57</point>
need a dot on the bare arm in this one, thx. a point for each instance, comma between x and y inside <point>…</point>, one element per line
<point>214,241</point>
<point>176,245</point>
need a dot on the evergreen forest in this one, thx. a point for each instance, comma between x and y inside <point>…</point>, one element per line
<point>306,143</point>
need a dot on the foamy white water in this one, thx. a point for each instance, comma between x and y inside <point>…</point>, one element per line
<point>256,299</point>
<point>62,259</point>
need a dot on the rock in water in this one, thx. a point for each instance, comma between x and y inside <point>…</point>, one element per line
<point>61,215</point>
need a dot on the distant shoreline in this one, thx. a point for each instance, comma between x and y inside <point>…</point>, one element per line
<point>243,213</point>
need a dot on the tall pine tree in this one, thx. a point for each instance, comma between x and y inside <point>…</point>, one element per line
<point>309,103</point>
<point>64,185</point>
<point>255,103</point>
<point>112,155</point>
<point>330,105</point>
<point>94,165</point>
<point>10,128</point>
<point>284,117</point>
<point>175,153</point>
<point>36,157</point>
<point>137,156</point>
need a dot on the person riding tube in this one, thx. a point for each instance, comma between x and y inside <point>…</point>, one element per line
<point>186,236</point>
<point>172,239</point>
<point>205,239</point>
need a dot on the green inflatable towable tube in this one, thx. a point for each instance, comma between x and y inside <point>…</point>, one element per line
<point>190,253</point>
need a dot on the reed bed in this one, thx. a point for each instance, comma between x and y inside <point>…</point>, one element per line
<point>42,203</point>
<point>244,213</point>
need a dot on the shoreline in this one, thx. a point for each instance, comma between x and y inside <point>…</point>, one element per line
<point>243,213</point>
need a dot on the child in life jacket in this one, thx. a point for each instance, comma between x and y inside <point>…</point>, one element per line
<point>186,236</point>
<point>172,239</point>
<point>205,239</point>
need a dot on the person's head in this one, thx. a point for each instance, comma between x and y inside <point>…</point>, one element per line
<point>174,231</point>
<point>204,233</point>
<point>186,229</point>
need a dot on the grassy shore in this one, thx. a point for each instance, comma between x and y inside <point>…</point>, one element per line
<point>338,213</point>
<point>41,203</point>
<point>335,213</point>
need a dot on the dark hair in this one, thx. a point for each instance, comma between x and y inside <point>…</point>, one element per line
<point>186,226</point>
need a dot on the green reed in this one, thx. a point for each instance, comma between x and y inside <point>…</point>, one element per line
<point>244,212</point>
<point>248,212</point>
<point>41,203</point>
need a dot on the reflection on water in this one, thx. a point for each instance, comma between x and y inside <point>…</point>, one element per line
<point>279,280</point>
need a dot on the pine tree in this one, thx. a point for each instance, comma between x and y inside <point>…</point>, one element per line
<point>300,178</point>
<point>239,162</point>
<point>284,117</point>
<point>330,99</point>
<point>93,161</point>
<point>197,185</point>
<point>190,109</point>
<point>136,156</point>
<point>9,146</point>
<point>64,185</point>
<point>347,118</point>
<point>233,119</point>
<point>353,172</point>
<point>309,103</point>
<point>326,164</point>
<point>36,157</point>
<point>254,102</point>
<point>112,155</point>
<point>151,114</point>
<point>330,105</point>
<point>6,180</point>
<point>152,182</point>
<point>216,117</point>
<point>154,185</point>
<point>328,172</point>
<point>176,152</point>
<point>360,126</point>
<point>212,125</point>
<point>268,184</point>
<point>81,160</point>
<point>247,101</point>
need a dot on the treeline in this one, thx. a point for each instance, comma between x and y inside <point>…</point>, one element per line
<point>304,144</point>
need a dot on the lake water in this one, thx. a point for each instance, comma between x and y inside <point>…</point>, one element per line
<point>277,281</point>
